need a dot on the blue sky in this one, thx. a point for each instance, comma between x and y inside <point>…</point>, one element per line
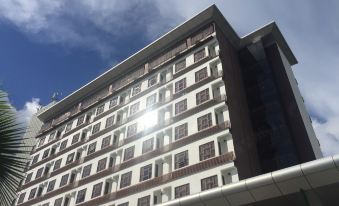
<point>48,46</point>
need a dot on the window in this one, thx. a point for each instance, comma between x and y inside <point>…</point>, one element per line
<point>151,100</point>
<point>203,96</point>
<point>181,159</point>
<point>199,55</point>
<point>42,141</point>
<point>68,127</point>
<point>129,153</point>
<point>80,120</point>
<point>152,81</point>
<point>132,130</point>
<point>64,180</point>
<point>123,204</point>
<point>182,191</point>
<point>134,108</point>
<point>39,173</point>
<point>63,145</point>
<point>109,121</point>
<point>145,172</point>
<point>206,151</point>
<point>126,179</point>
<point>209,183</point>
<point>144,201</point>
<point>101,164</point>
<point>81,196</point>
<point>201,74</point>
<point>100,109</point>
<point>180,65</point>
<point>51,186</point>
<point>91,148</point>
<point>32,193</point>
<point>35,159</point>
<point>96,128</point>
<point>106,142</point>
<point>75,138</point>
<point>70,158</point>
<point>113,102</point>
<point>57,164</point>
<point>28,177</point>
<point>181,131</point>
<point>21,197</point>
<point>86,171</point>
<point>51,137</point>
<point>97,190</point>
<point>180,85</point>
<point>204,122</point>
<point>58,202</point>
<point>181,106</point>
<point>147,145</point>
<point>136,89</point>
<point>46,152</point>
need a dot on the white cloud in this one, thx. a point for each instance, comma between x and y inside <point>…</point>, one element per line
<point>30,108</point>
<point>310,28</point>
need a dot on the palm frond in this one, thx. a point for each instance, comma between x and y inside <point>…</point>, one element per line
<point>12,151</point>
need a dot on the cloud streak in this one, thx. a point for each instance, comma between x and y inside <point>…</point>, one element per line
<point>104,26</point>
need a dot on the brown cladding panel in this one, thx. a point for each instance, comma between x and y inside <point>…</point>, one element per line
<point>247,161</point>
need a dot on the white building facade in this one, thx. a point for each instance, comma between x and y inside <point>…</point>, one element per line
<point>155,128</point>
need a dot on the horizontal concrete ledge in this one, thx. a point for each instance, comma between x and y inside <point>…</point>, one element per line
<point>314,175</point>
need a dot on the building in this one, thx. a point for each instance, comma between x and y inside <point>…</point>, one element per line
<point>198,108</point>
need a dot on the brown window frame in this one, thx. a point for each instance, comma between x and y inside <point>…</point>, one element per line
<point>51,185</point>
<point>143,175</point>
<point>152,81</point>
<point>109,121</point>
<point>134,108</point>
<point>63,145</point>
<point>132,130</point>
<point>206,151</point>
<point>151,100</point>
<point>81,194</point>
<point>64,180</point>
<point>136,89</point>
<point>148,145</point>
<point>181,159</point>
<point>80,120</point>
<point>182,190</point>
<point>209,183</point>
<point>96,128</point>
<point>46,153</point>
<point>102,164</point>
<point>58,202</point>
<point>113,102</point>
<point>39,173</point>
<point>28,177</point>
<point>125,179</point>
<point>181,65</point>
<point>57,163</point>
<point>91,148</point>
<point>100,109</point>
<point>70,158</point>
<point>199,55</point>
<point>96,190</point>
<point>202,96</point>
<point>204,121</point>
<point>201,74</point>
<point>144,201</point>
<point>181,131</point>
<point>180,106</point>
<point>21,198</point>
<point>68,127</point>
<point>106,141</point>
<point>180,85</point>
<point>86,171</point>
<point>32,193</point>
<point>75,138</point>
<point>129,153</point>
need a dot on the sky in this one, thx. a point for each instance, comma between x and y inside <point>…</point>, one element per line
<point>60,45</point>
